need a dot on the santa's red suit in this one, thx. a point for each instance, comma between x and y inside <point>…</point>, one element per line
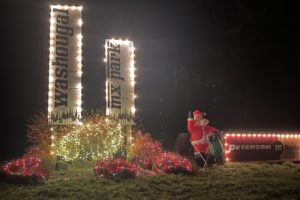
<point>198,133</point>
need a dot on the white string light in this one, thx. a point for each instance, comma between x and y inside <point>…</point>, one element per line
<point>131,69</point>
<point>77,71</point>
<point>256,136</point>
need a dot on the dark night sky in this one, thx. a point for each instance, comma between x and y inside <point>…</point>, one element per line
<point>237,61</point>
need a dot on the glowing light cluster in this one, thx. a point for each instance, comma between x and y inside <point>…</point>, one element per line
<point>52,52</point>
<point>171,163</point>
<point>258,136</point>
<point>148,154</point>
<point>52,151</point>
<point>118,167</point>
<point>262,135</point>
<point>131,69</point>
<point>167,162</point>
<point>144,146</point>
<point>96,138</point>
<point>66,7</point>
<point>25,167</point>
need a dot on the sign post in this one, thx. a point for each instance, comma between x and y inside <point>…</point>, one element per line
<point>64,97</point>
<point>120,82</point>
<point>65,67</point>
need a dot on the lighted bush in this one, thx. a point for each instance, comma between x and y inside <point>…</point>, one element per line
<point>144,146</point>
<point>115,168</point>
<point>39,135</point>
<point>97,137</point>
<point>143,162</point>
<point>25,168</point>
<point>171,163</point>
<point>148,154</point>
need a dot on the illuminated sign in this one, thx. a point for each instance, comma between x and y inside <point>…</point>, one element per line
<point>261,147</point>
<point>120,80</point>
<point>64,97</point>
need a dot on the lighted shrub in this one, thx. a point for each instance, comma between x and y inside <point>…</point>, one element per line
<point>97,137</point>
<point>24,169</point>
<point>171,163</point>
<point>148,154</point>
<point>144,146</point>
<point>115,168</point>
<point>39,135</point>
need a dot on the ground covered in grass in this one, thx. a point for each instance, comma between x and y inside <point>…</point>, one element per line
<point>230,181</point>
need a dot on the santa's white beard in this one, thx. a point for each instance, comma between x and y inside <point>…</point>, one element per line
<point>201,122</point>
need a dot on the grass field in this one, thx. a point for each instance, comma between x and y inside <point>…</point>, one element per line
<point>230,181</point>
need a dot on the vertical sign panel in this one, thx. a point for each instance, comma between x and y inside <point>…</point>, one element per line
<point>64,97</point>
<point>120,80</point>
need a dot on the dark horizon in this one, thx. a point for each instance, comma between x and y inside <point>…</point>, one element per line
<point>236,61</point>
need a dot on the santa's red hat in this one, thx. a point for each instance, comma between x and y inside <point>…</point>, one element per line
<point>198,112</point>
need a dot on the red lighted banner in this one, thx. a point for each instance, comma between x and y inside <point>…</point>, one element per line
<point>261,147</point>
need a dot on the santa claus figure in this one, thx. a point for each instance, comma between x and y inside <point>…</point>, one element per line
<point>199,130</point>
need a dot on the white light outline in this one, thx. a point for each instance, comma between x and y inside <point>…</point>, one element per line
<point>51,57</point>
<point>256,135</point>
<point>131,69</point>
